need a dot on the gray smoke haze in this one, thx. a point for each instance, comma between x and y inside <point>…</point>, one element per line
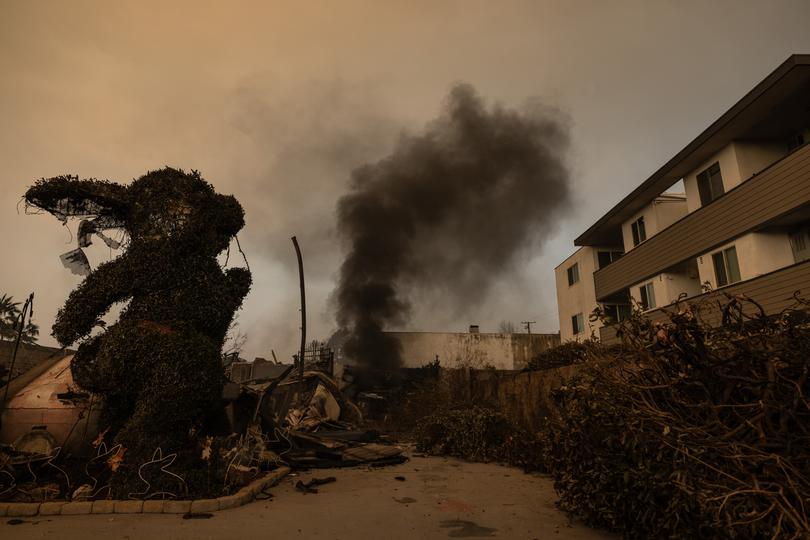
<point>448,211</point>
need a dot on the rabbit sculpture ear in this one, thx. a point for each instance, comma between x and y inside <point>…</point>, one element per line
<point>67,196</point>
<point>231,215</point>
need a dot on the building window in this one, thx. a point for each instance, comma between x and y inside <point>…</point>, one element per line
<point>800,244</point>
<point>726,267</point>
<point>710,184</point>
<point>615,312</point>
<point>639,231</point>
<point>647,293</point>
<point>795,142</point>
<point>577,324</point>
<point>607,257</point>
<point>573,274</point>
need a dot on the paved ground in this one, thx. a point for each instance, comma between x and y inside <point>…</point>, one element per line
<point>438,498</point>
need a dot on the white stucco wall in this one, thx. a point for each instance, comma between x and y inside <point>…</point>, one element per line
<point>753,157</point>
<point>478,351</point>
<point>738,162</point>
<point>659,287</point>
<point>579,297</point>
<point>457,350</point>
<point>729,169</point>
<point>668,286</point>
<point>658,215</point>
<point>757,253</point>
<point>680,283</point>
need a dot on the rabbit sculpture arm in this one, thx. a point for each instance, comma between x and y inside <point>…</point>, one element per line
<point>67,196</point>
<point>111,282</point>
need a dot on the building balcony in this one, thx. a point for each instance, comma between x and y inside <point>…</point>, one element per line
<point>773,291</point>
<point>763,200</point>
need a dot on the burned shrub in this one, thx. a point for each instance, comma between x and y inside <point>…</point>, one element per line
<point>567,354</point>
<point>691,431</point>
<point>158,368</point>
<point>478,434</point>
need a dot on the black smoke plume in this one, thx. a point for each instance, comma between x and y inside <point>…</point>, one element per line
<point>448,211</point>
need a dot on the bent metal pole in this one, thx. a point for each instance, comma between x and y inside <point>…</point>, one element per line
<point>27,310</point>
<point>303,310</point>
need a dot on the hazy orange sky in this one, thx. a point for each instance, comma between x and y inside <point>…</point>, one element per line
<point>276,103</point>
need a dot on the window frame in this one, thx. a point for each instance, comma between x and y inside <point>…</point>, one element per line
<point>800,244</point>
<point>639,231</point>
<point>577,324</point>
<point>622,312</point>
<point>647,296</point>
<point>573,274</point>
<point>613,256</point>
<point>727,270</point>
<point>709,183</point>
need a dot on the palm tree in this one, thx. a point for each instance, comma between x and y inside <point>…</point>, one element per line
<point>9,311</point>
<point>9,319</point>
<point>30,334</point>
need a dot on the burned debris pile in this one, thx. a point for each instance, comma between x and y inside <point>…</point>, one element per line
<point>308,423</point>
<point>266,423</point>
<point>692,431</point>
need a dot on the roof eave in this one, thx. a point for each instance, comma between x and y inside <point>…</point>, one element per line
<point>597,234</point>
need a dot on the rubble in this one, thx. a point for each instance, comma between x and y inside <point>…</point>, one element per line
<point>274,421</point>
<point>313,425</point>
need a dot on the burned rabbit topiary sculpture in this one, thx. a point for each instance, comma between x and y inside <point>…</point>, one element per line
<point>159,367</point>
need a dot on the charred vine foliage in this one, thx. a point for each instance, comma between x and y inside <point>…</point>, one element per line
<point>692,431</point>
<point>158,368</point>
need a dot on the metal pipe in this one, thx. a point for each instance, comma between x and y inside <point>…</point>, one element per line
<point>303,310</point>
<point>28,303</point>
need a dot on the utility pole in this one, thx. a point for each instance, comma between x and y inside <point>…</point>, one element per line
<point>528,325</point>
<point>303,310</point>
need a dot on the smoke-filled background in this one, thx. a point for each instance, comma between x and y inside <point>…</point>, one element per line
<point>278,102</point>
<point>448,212</point>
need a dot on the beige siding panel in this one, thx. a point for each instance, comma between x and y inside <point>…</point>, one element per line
<point>764,197</point>
<point>774,292</point>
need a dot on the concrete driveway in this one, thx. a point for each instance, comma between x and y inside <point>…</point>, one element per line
<point>436,498</point>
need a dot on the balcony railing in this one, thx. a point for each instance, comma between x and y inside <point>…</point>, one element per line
<point>766,196</point>
<point>773,291</point>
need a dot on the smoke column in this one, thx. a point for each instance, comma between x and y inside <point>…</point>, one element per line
<point>448,211</point>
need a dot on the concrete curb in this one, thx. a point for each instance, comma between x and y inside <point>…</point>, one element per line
<point>56,508</point>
